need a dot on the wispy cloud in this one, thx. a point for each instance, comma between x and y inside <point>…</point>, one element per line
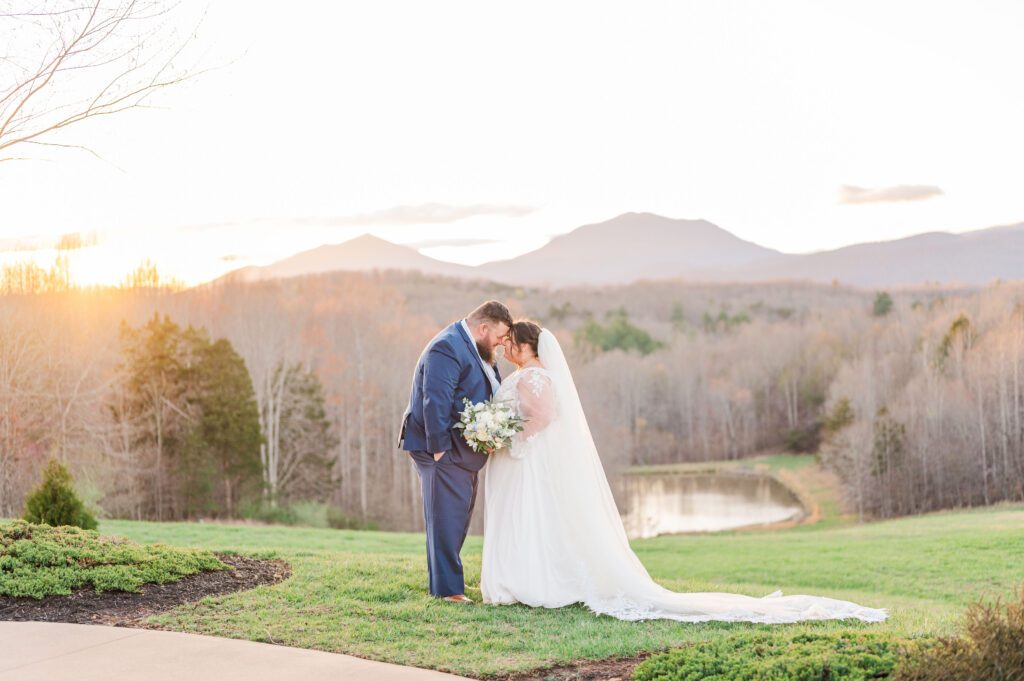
<point>437,243</point>
<point>30,244</point>
<point>420,214</point>
<point>849,194</point>
<point>428,213</point>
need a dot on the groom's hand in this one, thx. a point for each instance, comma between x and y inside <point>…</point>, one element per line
<point>438,455</point>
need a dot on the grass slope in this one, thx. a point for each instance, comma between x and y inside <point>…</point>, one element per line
<point>364,593</point>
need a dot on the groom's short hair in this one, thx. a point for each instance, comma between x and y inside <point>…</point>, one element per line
<point>491,311</point>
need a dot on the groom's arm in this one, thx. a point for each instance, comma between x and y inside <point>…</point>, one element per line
<point>440,376</point>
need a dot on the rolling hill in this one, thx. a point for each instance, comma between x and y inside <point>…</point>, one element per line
<point>362,254</point>
<point>629,247</point>
<point>635,246</point>
<point>972,258</point>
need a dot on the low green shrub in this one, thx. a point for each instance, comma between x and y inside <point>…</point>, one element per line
<point>803,440</point>
<point>990,649</point>
<point>263,512</point>
<point>339,520</point>
<point>844,655</point>
<point>54,501</point>
<point>305,514</point>
<point>40,560</point>
<point>310,513</point>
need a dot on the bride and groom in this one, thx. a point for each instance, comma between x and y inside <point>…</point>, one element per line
<point>552,532</point>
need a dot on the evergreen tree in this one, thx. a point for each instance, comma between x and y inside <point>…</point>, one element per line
<point>841,416</point>
<point>190,403</point>
<point>54,501</point>
<point>883,304</point>
<point>616,334</point>
<point>224,444</point>
<point>154,367</point>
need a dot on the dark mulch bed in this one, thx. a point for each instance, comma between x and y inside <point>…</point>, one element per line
<point>620,669</point>
<point>127,609</point>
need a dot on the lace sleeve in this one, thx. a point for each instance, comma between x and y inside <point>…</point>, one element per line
<point>536,399</point>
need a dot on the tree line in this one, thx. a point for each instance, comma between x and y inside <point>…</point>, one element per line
<point>206,401</point>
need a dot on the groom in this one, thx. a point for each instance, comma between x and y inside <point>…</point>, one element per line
<point>458,363</point>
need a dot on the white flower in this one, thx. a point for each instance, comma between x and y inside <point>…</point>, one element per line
<point>488,425</point>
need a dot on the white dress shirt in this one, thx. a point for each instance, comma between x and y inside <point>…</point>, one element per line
<point>488,369</point>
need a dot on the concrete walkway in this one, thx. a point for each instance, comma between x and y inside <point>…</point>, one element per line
<point>45,651</point>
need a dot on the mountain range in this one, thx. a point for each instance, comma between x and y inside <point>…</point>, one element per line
<point>635,246</point>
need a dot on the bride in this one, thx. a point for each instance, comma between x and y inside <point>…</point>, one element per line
<point>552,532</point>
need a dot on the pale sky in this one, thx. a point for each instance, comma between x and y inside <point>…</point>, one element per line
<point>500,125</point>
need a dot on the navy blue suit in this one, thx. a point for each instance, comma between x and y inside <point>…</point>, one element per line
<point>448,371</point>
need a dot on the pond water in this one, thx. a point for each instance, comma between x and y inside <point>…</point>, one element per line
<point>669,503</point>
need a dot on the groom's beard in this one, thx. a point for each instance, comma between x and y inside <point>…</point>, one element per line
<point>486,352</point>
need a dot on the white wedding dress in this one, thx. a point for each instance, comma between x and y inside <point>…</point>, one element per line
<point>553,535</point>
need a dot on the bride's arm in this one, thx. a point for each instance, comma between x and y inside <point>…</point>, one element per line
<point>536,407</point>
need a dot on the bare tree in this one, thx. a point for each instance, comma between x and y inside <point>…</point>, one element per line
<point>954,392</point>
<point>68,62</point>
<point>19,359</point>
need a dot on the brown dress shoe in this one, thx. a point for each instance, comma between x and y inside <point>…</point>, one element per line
<point>459,598</point>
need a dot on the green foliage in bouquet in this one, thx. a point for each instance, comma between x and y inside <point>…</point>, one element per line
<point>488,426</point>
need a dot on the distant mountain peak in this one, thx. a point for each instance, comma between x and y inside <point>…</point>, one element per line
<point>647,215</point>
<point>630,246</point>
<point>363,253</point>
<point>648,218</point>
<point>364,239</point>
<point>642,245</point>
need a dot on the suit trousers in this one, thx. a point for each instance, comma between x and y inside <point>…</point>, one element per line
<point>449,493</point>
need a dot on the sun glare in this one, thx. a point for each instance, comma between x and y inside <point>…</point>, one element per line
<point>103,265</point>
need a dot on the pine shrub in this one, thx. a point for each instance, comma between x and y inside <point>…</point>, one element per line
<point>54,501</point>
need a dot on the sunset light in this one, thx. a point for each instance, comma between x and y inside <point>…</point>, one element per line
<point>452,340</point>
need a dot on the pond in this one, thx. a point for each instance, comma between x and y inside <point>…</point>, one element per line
<point>670,503</point>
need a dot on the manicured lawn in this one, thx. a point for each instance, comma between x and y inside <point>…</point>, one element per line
<point>364,593</point>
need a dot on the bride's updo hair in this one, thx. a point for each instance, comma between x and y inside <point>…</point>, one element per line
<point>526,331</point>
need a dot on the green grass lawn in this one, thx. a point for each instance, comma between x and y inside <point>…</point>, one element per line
<point>364,593</point>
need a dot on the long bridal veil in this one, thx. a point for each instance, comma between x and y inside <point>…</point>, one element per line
<point>614,581</point>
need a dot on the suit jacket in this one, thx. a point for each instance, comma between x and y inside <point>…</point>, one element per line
<point>448,370</point>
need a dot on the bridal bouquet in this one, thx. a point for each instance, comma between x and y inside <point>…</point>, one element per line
<point>488,426</point>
